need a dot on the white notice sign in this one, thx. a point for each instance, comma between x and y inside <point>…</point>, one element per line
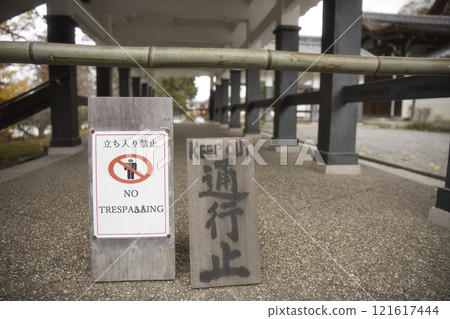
<point>130,184</point>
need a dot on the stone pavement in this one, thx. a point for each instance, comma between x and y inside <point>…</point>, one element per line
<point>354,237</point>
<point>422,151</point>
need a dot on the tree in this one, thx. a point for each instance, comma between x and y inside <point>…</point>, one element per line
<point>10,84</point>
<point>28,26</point>
<point>416,7</point>
<point>39,121</point>
<point>86,75</point>
<point>181,89</point>
<point>16,79</point>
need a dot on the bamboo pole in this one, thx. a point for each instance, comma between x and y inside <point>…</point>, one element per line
<point>171,57</point>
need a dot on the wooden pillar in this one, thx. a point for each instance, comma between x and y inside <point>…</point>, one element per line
<point>144,89</point>
<point>224,104</point>
<point>136,86</point>
<point>124,82</point>
<point>104,84</point>
<point>235,118</point>
<point>285,120</point>
<point>443,193</point>
<point>211,105</point>
<point>218,103</point>
<point>252,94</point>
<point>314,115</point>
<point>267,95</point>
<point>337,120</point>
<point>63,95</point>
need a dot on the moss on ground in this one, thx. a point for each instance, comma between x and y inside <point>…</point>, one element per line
<point>21,150</point>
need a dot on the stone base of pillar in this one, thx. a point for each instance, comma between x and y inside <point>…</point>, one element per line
<point>339,169</point>
<point>291,149</point>
<point>253,135</point>
<point>222,125</point>
<point>58,151</point>
<point>443,195</point>
<point>236,131</point>
<point>65,142</point>
<point>439,217</point>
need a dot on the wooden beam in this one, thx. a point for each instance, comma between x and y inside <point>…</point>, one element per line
<point>302,98</point>
<point>413,87</point>
<point>262,103</point>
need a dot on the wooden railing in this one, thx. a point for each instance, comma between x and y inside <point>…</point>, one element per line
<point>413,87</point>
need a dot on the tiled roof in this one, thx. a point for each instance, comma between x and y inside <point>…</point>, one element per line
<point>424,20</point>
<point>311,45</point>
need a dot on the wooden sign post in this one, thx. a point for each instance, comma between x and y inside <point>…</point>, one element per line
<point>223,229</point>
<point>131,197</point>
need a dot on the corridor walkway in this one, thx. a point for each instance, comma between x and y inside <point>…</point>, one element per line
<point>354,237</point>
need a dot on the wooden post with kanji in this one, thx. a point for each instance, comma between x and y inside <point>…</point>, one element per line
<point>223,229</point>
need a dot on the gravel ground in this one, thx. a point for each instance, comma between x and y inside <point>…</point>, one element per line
<point>357,238</point>
<point>423,151</point>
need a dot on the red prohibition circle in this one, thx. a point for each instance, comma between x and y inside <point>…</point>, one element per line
<point>142,178</point>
